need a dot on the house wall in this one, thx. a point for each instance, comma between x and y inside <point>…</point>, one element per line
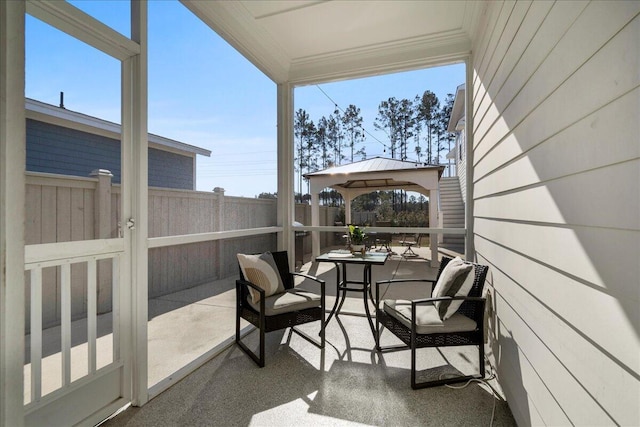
<point>556,210</point>
<point>170,170</point>
<point>61,150</point>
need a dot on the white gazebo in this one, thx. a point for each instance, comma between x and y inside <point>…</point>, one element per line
<point>375,174</point>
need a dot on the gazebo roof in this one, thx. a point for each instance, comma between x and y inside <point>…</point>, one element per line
<point>375,174</point>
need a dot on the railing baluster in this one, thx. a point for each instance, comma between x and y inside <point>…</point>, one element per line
<point>36,334</point>
<point>115,306</point>
<point>65,322</point>
<point>92,313</point>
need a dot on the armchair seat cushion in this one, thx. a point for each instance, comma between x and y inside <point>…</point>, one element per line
<point>288,301</point>
<point>428,319</point>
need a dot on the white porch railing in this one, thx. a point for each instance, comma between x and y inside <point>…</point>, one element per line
<point>63,256</point>
<point>436,233</point>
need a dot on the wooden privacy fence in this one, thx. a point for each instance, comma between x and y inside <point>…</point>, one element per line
<point>64,208</point>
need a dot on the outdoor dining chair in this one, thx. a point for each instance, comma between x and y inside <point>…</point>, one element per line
<point>266,297</point>
<point>408,242</point>
<point>452,316</point>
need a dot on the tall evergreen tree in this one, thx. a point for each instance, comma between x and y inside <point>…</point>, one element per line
<point>337,132</point>
<point>427,110</point>
<point>300,129</point>
<point>406,126</point>
<point>352,123</point>
<point>332,131</point>
<point>445,114</point>
<point>417,128</point>
<point>310,151</point>
<point>304,132</point>
<point>387,121</point>
<point>322,140</point>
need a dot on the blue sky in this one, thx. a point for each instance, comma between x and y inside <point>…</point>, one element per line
<point>202,92</point>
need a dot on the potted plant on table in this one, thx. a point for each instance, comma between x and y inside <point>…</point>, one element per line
<point>357,237</point>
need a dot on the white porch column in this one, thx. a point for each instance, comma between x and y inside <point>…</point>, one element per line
<point>285,201</point>
<point>12,199</point>
<point>434,195</point>
<point>470,251</point>
<point>315,221</point>
<point>135,195</point>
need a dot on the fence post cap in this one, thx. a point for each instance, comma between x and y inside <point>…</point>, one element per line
<point>100,172</point>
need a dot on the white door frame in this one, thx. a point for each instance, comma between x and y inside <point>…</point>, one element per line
<point>135,193</point>
<point>12,165</point>
<point>130,251</point>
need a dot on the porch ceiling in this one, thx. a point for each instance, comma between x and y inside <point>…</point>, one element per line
<point>310,41</point>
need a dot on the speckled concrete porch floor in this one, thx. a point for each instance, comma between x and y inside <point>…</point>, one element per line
<point>348,383</point>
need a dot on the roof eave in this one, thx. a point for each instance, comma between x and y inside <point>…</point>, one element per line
<point>38,110</point>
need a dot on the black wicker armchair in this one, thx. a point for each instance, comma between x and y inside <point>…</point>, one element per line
<point>282,310</point>
<point>465,327</point>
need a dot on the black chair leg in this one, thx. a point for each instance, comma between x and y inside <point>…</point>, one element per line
<point>414,384</point>
<point>323,325</point>
<point>262,345</point>
<point>237,326</point>
<point>481,358</point>
<point>259,360</point>
<point>377,329</point>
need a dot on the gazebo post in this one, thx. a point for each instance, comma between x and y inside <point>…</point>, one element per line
<point>347,208</point>
<point>433,223</point>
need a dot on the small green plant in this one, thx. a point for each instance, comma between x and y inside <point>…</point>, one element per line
<point>357,235</point>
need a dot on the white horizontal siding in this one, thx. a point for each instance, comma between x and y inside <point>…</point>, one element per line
<point>535,15</point>
<point>581,142</point>
<point>578,363</point>
<point>597,206</point>
<point>557,206</point>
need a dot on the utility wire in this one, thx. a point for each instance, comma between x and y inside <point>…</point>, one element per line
<point>343,111</point>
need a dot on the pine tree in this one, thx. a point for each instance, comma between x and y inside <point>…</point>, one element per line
<point>445,115</point>
<point>352,122</point>
<point>337,132</point>
<point>300,124</point>
<point>427,110</point>
<point>322,140</point>
<point>387,121</point>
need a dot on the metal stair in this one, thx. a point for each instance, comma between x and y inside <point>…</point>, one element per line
<point>452,210</point>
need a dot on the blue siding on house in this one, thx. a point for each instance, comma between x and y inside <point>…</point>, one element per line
<point>60,150</point>
<point>167,169</point>
<point>56,149</point>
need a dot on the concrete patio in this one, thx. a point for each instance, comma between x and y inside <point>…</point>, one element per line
<point>187,328</point>
<point>208,311</point>
<point>191,342</point>
<point>347,383</point>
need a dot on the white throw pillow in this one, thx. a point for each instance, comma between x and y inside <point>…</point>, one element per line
<point>262,271</point>
<point>445,276</point>
<point>453,281</point>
